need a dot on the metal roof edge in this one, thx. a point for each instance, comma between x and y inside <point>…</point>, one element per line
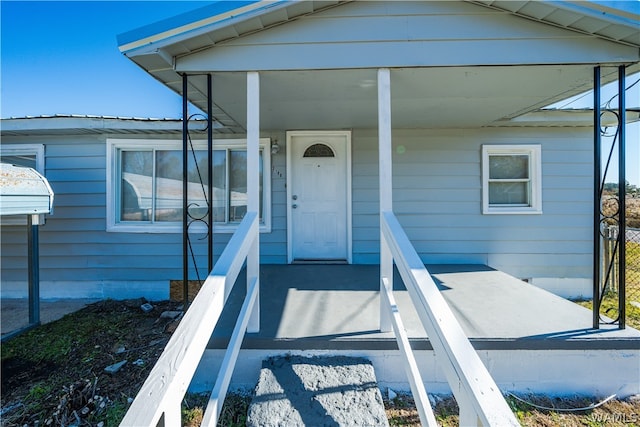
<point>216,8</point>
<point>127,44</point>
<point>602,11</point>
<point>62,122</point>
<point>551,117</point>
<point>556,117</point>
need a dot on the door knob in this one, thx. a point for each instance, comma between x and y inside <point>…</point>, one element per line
<point>294,206</point>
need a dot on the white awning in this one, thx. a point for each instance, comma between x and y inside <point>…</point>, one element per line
<point>23,191</point>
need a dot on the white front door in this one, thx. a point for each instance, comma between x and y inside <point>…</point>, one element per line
<point>318,193</point>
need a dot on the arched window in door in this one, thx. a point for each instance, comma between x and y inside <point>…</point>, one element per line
<point>318,150</point>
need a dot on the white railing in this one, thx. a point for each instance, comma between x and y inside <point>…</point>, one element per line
<point>479,398</point>
<point>427,418</point>
<point>159,400</point>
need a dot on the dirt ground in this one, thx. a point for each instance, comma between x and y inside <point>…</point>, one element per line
<point>55,374</point>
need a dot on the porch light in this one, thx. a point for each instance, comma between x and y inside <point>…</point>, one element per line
<point>275,148</point>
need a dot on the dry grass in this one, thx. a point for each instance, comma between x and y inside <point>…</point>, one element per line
<point>401,412</point>
<point>610,207</point>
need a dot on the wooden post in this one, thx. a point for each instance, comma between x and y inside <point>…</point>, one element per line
<point>386,186</point>
<point>253,187</point>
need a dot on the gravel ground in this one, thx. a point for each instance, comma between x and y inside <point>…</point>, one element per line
<point>318,391</point>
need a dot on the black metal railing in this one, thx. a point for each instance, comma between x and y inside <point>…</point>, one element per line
<point>193,213</point>
<point>610,207</point>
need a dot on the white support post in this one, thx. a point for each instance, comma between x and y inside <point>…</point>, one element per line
<point>386,186</point>
<point>253,187</point>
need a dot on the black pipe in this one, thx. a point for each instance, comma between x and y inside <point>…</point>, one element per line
<point>185,195</point>
<point>596,196</point>
<point>622,195</point>
<point>210,168</point>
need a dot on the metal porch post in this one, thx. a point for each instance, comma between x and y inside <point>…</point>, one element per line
<point>597,196</point>
<point>253,187</point>
<point>185,195</point>
<point>34,270</point>
<point>210,173</point>
<point>622,195</point>
<point>386,185</point>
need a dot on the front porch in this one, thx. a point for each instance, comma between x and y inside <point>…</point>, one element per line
<point>531,341</point>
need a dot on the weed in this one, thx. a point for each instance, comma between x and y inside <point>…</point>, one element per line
<point>114,413</point>
<point>38,392</point>
<point>193,406</point>
<point>233,414</point>
<point>235,410</point>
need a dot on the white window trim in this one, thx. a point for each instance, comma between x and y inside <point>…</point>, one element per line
<point>24,150</point>
<point>113,145</point>
<point>534,151</point>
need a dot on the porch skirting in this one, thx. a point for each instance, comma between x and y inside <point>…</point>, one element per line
<point>551,372</point>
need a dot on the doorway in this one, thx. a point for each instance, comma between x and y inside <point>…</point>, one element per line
<point>319,196</point>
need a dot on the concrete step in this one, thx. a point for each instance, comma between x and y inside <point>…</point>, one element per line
<point>317,391</point>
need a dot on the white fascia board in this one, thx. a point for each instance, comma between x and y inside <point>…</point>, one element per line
<point>152,43</point>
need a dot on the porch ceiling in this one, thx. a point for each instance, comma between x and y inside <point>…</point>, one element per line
<point>451,97</point>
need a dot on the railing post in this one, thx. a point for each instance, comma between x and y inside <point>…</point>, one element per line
<point>470,381</point>
<point>466,414</point>
<point>158,400</point>
<point>386,185</point>
<point>172,415</point>
<point>253,187</point>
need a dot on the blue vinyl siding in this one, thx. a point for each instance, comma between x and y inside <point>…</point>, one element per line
<point>438,194</point>
<point>437,197</point>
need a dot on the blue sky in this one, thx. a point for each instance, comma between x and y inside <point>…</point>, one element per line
<point>62,58</point>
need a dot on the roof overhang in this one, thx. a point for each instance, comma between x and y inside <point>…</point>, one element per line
<point>23,191</point>
<point>617,21</point>
<point>222,20</point>
<point>162,50</point>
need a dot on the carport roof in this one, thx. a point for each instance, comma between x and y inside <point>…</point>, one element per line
<point>86,124</point>
<point>23,191</point>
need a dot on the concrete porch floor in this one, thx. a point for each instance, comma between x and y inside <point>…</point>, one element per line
<point>336,307</point>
